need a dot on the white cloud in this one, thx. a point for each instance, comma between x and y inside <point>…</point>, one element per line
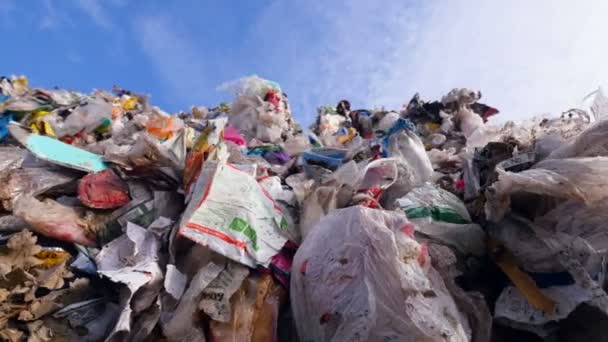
<point>178,61</point>
<point>95,10</point>
<point>51,19</point>
<point>73,57</point>
<point>6,7</point>
<point>527,57</point>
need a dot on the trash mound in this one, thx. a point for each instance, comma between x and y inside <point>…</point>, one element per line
<point>120,222</point>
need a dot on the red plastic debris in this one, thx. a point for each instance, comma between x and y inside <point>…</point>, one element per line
<point>103,190</point>
<point>273,97</point>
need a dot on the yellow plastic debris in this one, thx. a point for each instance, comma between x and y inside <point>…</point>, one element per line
<point>52,257</point>
<point>524,283</point>
<point>129,103</point>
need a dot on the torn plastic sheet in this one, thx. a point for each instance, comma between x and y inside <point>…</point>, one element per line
<point>215,300</point>
<point>175,282</point>
<point>11,158</point>
<point>180,325</point>
<point>57,221</point>
<point>31,181</point>
<point>145,208</point>
<point>599,107</point>
<point>233,215</point>
<point>57,152</point>
<point>132,260</point>
<point>592,142</point>
<point>175,149</point>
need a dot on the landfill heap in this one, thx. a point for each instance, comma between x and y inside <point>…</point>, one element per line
<point>121,222</point>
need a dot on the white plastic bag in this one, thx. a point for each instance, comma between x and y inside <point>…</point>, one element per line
<point>359,276</point>
<point>580,179</point>
<point>249,85</point>
<point>592,142</point>
<point>233,215</point>
<point>414,166</point>
<point>441,216</point>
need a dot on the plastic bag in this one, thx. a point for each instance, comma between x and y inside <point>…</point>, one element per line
<point>359,276</point>
<point>10,158</point>
<point>580,179</point>
<point>257,119</point>
<point>233,215</point>
<point>87,118</point>
<point>31,181</point>
<point>231,134</point>
<point>54,220</point>
<point>592,142</point>
<point>469,121</point>
<point>296,145</point>
<point>249,86</point>
<point>441,216</point>
<point>164,127</point>
<point>414,165</point>
<point>335,192</point>
<point>376,177</point>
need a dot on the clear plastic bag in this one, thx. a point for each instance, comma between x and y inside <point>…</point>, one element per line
<point>581,179</point>
<point>359,276</point>
<point>86,118</point>
<point>32,181</point>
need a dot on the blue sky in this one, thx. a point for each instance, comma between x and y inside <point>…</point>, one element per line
<point>532,57</point>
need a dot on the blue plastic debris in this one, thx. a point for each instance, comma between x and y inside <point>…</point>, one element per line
<point>58,152</point>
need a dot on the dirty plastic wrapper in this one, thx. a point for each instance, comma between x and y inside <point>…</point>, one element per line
<point>57,221</point>
<point>132,260</point>
<point>441,216</point>
<point>234,216</point>
<point>376,284</point>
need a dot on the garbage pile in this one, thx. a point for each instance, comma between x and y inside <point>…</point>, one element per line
<point>121,222</point>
